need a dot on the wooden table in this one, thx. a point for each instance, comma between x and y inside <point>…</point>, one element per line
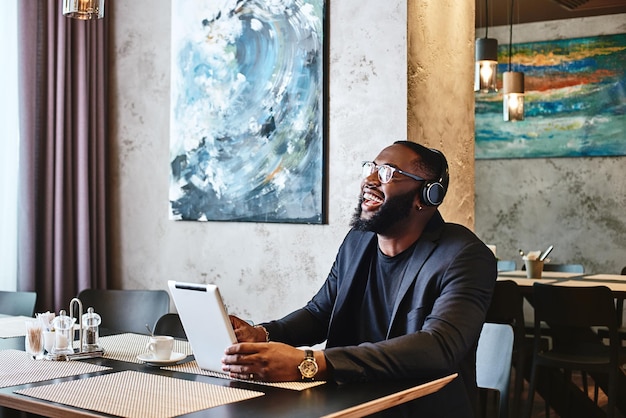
<point>327,400</point>
<point>615,282</point>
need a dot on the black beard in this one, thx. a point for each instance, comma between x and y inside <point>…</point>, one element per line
<point>391,212</point>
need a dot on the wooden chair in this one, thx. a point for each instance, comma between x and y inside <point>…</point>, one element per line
<point>493,364</point>
<point>570,312</point>
<point>126,310</point>
<point>170,324</point>
<point>507,308</point>
<point>18,303</point>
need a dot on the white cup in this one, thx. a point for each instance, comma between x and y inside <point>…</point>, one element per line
<point>161,347</point>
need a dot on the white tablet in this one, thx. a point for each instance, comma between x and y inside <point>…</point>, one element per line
<point>205,321</point>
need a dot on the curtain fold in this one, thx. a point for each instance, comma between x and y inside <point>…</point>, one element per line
<point>62,223</point>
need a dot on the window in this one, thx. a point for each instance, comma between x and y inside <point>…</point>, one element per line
<point>9,138</point>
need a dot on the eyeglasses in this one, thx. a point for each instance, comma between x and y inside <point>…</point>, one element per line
<point>385,172</point>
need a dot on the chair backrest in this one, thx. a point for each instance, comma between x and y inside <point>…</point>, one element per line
<point>507,304</point>
<point>126,310</point>
<point>18,303</point>
<point>565,268</point>
<point>568,268</point>
<point>577,306</point>
<point>624,271</point>
<point>493,362</point>
<point>170,324</point>
<point>507,265</point>
<point>571,312</point>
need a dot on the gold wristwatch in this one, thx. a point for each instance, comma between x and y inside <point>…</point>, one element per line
<point>308,368</point>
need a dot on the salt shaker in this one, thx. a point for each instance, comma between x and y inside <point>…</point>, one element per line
<point>91,322</point>
<point>64,334</point>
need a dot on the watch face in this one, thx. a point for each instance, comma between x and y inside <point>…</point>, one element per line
<point>308,368</point>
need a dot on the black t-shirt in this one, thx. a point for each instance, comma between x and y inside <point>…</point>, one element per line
<point>384,278</point>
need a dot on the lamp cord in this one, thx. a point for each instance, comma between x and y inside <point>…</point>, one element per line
<point>510,33</point>
<point>486,19</point>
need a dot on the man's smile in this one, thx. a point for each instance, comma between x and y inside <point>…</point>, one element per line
<point>371,200</point>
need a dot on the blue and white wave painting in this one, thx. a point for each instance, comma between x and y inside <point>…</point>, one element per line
<point>246,120</point>
<point>575,102</point>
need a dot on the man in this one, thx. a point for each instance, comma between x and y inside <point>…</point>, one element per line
<point>406,296</point>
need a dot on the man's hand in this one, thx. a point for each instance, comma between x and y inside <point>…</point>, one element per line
<point>246,332</point>
<point>268,362</point>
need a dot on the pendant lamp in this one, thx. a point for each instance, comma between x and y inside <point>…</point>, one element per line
<point>486,56</point>
<point>512,87</point>
<point>84,9</point>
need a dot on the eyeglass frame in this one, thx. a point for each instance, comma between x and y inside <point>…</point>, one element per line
<point>377,167</point>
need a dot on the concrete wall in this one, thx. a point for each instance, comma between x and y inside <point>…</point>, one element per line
<point>264,270</point>
<point>267,270</point>
<point>576,204</point>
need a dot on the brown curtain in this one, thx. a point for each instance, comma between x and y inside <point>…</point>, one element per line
<point>62,223</point>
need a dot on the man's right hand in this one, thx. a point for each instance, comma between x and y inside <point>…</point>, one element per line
<point>246,332</point>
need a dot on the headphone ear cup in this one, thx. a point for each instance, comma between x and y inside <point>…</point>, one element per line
<point>433,193</point>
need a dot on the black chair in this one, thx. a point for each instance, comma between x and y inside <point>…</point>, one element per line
<point>571,312</point>
<point>619,310</point>
<point>507,307</point>
<point>18,303</point>
<point>170,324</point>
<point>507,265</point>
<point>569,268</point>
<point>126,310</point>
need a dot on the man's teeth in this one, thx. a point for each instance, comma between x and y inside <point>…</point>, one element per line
<point>369,196</point>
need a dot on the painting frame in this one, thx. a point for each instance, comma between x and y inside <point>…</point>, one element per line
<point>248,111</point>
<point>573,106</point>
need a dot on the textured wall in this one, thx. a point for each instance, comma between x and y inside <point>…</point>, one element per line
<point>577,204</point>
<point>441,93</point>
<point>264,270</point>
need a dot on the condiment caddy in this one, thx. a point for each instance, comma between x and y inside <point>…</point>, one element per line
<point>64,334</point>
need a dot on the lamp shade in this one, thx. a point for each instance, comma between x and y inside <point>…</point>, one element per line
<point>83,9</point>
<point>486,70</point>
<point>513,100</point>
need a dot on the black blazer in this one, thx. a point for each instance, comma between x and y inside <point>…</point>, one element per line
<point>436,321</point>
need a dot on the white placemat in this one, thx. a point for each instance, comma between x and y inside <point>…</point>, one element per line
<point>135,394</point>
<point>13,326</point>
<point>18,368</point>
<point>126,347</point>
<point>193,368</point>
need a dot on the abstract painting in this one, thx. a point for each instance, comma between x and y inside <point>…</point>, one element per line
<point>575,101</point>
<point>247,135</point>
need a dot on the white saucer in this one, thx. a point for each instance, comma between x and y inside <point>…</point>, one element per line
<point>174,358</point>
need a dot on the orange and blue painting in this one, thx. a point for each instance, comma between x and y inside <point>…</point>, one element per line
<point>247,111</point>
<point>575,101</point>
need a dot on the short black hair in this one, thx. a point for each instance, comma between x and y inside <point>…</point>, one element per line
<point>432,161</point>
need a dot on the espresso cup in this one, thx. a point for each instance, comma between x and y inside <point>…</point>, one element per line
<point>161,347</point>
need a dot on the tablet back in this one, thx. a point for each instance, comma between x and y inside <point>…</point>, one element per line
<point>205,321</point>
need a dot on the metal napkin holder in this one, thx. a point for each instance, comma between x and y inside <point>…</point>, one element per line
<point>79,353</point>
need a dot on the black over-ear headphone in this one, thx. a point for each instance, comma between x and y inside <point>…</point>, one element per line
<point>434,191</point>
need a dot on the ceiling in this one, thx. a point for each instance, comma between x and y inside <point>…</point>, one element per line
<point>526,11</point>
